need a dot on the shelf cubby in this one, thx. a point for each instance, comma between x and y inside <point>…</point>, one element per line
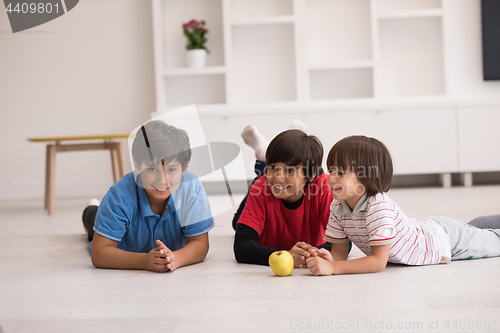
<point>244,9</point>
<point>341,83</point>
<point>174,14</point>
<point>264,63</point>
<point>411,59</point>
<point>338,31</point>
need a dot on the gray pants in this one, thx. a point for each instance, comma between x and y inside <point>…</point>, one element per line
<point>486,222</point>
<point>478,239</point>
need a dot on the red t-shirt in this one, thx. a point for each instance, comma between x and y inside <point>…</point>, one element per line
<point>279,227</point>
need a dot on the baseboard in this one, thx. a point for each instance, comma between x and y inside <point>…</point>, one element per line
<point>88,189</point>
<point>98,189</point>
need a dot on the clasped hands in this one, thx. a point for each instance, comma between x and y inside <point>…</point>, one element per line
<point>161,258</point>
<point>307,256</point>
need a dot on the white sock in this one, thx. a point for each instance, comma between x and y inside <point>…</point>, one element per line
<point>256,140</point>
<point>93,202</point>
<point>297,124</point>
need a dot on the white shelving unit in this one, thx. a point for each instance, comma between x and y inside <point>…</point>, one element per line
<point>280,51</point>
<point>344,67</point>
<point>339,49</point>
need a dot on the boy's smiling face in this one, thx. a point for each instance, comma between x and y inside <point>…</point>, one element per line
<point>286,182</point>
<point>161,180</point>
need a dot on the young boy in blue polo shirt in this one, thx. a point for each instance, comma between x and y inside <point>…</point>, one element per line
<point>158,216</point>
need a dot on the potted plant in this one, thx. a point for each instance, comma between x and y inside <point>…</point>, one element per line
<point>195,33</point>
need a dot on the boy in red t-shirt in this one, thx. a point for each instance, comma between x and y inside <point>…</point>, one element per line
<point>288,207</point>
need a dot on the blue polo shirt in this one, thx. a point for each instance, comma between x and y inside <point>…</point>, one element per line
<point>125,215</point>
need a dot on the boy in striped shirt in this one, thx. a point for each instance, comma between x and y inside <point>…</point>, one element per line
<point>360,173</point>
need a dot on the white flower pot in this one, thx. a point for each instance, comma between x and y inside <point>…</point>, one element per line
<point>196,58</point>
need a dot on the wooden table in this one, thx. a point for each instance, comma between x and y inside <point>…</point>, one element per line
<point>50,167</point>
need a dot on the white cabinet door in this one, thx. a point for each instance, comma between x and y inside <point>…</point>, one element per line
<point>420,141</point>
<point>228,129</point>
<point>479,139</point>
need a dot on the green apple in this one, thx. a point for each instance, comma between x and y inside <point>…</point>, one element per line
<point>281,263</point>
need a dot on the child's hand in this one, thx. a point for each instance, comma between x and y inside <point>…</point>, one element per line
<point>156,261</point>
<point>320,266</point>
<point>300,251</point>
<point>314,252</point>
<point>168,254</point>
<point>325,254</point>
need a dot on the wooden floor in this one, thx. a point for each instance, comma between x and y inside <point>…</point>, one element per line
<point>48,284</point>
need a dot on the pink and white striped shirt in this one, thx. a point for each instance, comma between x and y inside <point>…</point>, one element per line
<point>378,220</point>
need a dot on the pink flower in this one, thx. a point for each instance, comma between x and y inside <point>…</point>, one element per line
<point>195,32</point>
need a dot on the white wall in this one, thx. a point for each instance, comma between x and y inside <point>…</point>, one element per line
<point>88,72</point>
<point>464,51</point>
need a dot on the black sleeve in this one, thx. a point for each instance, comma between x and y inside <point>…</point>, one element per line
<point>247,249</point>
<point>328,246</point>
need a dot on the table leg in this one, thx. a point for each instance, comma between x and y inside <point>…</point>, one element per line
<point>47,177</point>
<point>114,165</point>
<point>120,161</point>
<point>50,178</point>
